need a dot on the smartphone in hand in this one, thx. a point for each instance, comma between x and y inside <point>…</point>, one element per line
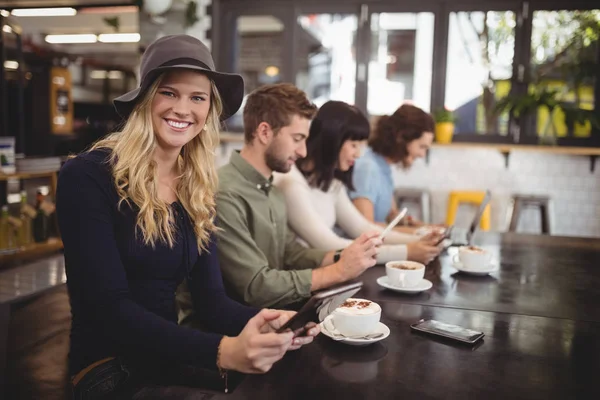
<point>392,224</point>
<point>320,305</point>
<point>447,234</point>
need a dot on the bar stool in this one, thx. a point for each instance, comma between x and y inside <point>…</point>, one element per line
<point>420,197</point>
<point>456,198</point>
<point>520,202</point>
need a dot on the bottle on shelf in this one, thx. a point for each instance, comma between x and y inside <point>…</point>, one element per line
<point>41,222</point>
<point>6,231</point>
<point>28,213</point>
<point>14,228</point>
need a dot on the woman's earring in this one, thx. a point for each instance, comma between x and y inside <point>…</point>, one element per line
<point>205,127</point>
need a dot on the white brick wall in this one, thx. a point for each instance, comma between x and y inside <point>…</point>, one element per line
<point>574,190</point>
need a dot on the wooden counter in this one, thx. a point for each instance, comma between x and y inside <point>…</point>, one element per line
<point>506,148</point>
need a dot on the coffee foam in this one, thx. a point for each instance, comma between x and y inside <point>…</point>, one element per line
<point>407,266</point>
<point>473,249</point>
<point>359,307</point>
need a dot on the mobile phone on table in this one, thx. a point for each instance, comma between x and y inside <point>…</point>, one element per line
<point>319,306</point>
<point>449,331</point>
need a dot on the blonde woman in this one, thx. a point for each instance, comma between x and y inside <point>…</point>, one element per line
<point>136,213</point>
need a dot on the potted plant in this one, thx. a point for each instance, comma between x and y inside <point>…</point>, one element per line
<point>444,125</point>
<point>523,106</point>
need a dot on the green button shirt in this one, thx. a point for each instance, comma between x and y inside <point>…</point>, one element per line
<point>262,263</point>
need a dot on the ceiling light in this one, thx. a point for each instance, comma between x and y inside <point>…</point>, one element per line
<point>101,74</point>
<point>119,37</point>
<point>5,13</point>
<point>82,38</point>
<point>11,64</point>
<point>44,12</point>
<point>271,71</point>
<point>7,29</point>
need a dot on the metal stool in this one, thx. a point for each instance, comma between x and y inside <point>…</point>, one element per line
<point>420,197</point>
<point>520,202</point>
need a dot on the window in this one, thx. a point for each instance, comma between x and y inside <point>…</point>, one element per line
<point>327,62</point>
<point>479,69</point>
<point>564,51</point>
<point>400,68</point>
<point>511,72</point>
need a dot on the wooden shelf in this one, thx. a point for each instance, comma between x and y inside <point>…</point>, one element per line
<point>505,148</point>
<point>32,251</point>
<point>28,175</point>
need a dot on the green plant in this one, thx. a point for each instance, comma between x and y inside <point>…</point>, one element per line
<point>575,115</point>
<point>190,14</point>
<point>113,22</point>
<point>444,115</point>
<point>520,105</point>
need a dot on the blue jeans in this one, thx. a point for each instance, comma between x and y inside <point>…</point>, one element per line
<point>115,380</point>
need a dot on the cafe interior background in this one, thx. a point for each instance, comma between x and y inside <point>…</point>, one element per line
<point>516,80</point>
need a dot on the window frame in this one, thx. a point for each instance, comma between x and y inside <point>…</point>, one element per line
<point>225,13</point>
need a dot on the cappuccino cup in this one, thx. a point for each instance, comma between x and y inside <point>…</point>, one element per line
<point>405,274</point>
<point>473,257</point>
<point>356,317</point>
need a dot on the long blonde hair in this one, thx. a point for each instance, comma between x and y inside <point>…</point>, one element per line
<point>135,172</point>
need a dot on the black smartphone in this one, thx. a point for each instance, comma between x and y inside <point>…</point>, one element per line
<point>320,305</point>
<point>448,331</point>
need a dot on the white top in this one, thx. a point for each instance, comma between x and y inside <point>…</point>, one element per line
<point>313,213</point>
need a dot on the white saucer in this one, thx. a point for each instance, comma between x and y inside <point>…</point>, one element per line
<point>380,328</point>
<point>423,285</point>
<point>492,267</point>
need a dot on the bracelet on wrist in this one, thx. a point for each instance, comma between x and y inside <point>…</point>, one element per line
<point>222,371</point>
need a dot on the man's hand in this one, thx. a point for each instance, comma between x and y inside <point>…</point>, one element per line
<point>359,256</point>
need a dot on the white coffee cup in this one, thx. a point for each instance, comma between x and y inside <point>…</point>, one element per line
<point>405,274</point>
<point>356,317</point>
<point>473,257</point>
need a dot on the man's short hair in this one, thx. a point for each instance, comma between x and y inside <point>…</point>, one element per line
<point>275,104</point>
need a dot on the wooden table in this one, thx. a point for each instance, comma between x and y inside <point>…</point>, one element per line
<point>544,276</point>
<point>521,357</point>
<point>540,314</point>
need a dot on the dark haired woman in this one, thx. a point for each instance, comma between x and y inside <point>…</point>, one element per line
<point>315,189</point>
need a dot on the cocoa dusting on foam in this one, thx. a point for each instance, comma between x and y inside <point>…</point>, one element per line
<point>358,304</point>
<point>475,249</point>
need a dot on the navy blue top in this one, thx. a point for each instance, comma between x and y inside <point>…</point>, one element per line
<point>122,292</point>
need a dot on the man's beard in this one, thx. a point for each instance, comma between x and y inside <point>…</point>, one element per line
<point>275,163</point>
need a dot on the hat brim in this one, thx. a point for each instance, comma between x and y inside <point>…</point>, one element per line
<point>230,87</point>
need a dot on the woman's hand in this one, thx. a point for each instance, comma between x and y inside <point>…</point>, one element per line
<point>425,249</point>
<point>257,347</point>
<point>311,329</point>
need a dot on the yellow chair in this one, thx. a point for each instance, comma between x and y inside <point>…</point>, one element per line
<point>457,197</point>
